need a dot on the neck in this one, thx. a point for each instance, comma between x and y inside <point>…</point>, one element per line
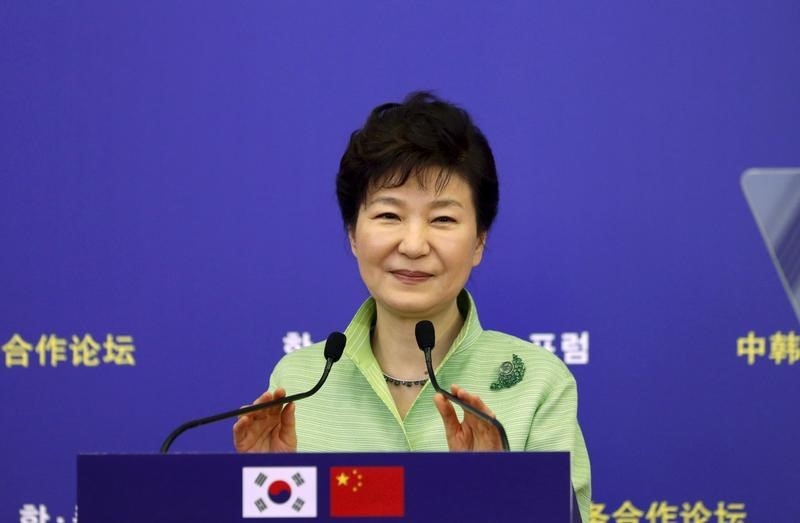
<point>395,346</point>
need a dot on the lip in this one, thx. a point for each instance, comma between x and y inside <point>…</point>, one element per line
<point>411,276</point>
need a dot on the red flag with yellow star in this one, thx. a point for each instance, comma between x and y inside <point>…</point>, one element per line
<point>367,491</point>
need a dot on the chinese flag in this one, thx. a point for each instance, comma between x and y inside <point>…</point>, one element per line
<point>367,491</point>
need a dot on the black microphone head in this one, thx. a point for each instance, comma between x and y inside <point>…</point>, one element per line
<point>426,338</point>
<point>334,346</point>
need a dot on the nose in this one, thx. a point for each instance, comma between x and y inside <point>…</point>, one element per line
<point>414,241</point>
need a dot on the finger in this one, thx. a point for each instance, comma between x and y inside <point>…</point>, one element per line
<point>242,421</point>
<point>448,414</point>
<point>240,426</point>
<point>241,433</point>
<point>266,397</point>
<point>487,436</point>
<point>470,419</point>
<point>287,417</point>
<point>240,416</point>
<point>279,393</point>
<point>242,439</point>
<point>288,431</point>
<point>473,400</point>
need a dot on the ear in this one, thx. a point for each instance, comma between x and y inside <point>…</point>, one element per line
<point>351,235</point>
<point>480,244</point>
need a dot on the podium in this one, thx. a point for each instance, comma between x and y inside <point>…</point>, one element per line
<point>221,488</point>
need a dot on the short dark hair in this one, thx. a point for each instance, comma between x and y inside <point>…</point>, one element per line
<point>400,140</point>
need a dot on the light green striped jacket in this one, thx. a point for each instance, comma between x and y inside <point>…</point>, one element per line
<point>354,410</point>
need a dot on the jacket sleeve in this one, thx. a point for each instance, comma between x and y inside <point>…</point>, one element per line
<point>555,428</point>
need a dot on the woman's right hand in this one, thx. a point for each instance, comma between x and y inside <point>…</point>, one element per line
<point>267,430</point>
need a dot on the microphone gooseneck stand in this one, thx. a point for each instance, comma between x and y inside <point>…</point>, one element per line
<point>426,339</point>
<point>334,346</point>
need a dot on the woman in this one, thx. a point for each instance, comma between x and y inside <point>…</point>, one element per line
<point>418,192</point>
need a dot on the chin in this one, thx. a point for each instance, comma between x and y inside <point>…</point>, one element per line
<point>413,308</point>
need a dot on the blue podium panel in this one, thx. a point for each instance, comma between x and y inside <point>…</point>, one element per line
<point>461,487</point>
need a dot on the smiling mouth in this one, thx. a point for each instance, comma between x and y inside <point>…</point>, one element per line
<point>411,276</point>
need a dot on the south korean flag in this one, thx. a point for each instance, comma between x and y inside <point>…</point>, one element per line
<point>279,492</point>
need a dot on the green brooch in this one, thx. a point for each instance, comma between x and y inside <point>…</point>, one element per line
<point>511,373</point>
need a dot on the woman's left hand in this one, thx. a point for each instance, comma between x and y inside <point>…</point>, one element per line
<point>472,434</point>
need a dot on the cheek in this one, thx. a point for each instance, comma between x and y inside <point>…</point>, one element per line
<point>370,247</point>
<point>461,248</point>
<point>466,254</point>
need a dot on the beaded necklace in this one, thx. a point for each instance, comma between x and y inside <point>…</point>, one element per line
<point>404,383</point>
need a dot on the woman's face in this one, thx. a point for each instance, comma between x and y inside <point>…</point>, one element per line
<point>416,247</point>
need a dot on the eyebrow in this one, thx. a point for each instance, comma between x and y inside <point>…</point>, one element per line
<point>437,204</point>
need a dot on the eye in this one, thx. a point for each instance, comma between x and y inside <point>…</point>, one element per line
<point>444,219</point>
<point>387,216</point>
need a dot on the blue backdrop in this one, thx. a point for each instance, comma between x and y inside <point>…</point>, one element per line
<point>169,224</point>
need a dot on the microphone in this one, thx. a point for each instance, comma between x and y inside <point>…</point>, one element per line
<point>334,347</point>
<point>426,339</point>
